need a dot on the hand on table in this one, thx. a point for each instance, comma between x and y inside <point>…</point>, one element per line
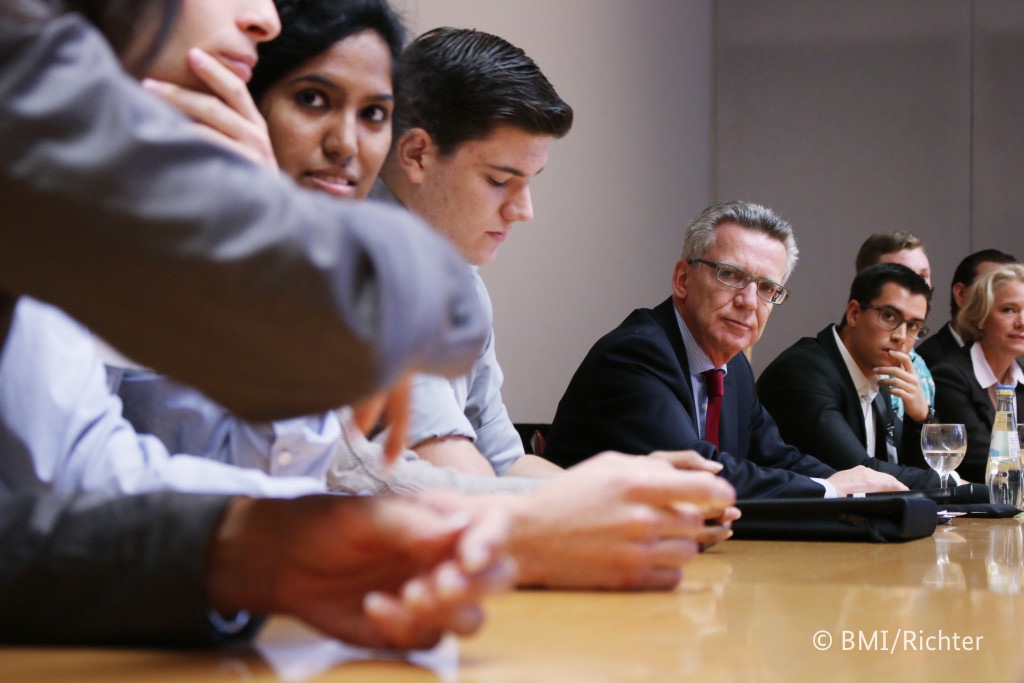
<point>374,571</point>
<point>717,521</point>
<point>862,479</point>
<point>617,521</point>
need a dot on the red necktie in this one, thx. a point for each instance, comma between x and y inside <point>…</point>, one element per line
<point>715,383</point>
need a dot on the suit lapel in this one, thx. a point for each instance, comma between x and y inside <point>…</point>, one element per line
<point>827,341</point>
<point>665,315</point>
<point>947,342</point>
<point>728,429</point>
<point>979,396</point>
<point>983,403</point>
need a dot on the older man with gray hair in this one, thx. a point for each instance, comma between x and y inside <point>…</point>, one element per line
<point>674,377</point>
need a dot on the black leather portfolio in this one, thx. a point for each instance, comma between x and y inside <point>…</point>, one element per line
<point>877,520</point>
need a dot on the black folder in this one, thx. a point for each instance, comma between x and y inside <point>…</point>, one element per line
<point>876,520</point>
<point>970,500</point>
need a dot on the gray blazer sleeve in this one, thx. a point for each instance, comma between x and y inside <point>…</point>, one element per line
<point>94,570</point>
<point>273,300</point>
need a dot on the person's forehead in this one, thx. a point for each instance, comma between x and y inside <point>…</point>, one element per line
<point>985,267</point>
<point>509,149</point>
<point>756,252</point>
<point>361,55</point>
<point>897,296</point>
<point>1008,289</point>
<point>915,258</point>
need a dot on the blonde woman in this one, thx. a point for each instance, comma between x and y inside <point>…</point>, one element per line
<point>991,322</point>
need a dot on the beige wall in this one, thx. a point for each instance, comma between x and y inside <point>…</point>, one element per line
<point>849,117</point>
<point>857,117</point>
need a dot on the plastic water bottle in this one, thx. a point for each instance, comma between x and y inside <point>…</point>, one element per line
<point>1003,475</point>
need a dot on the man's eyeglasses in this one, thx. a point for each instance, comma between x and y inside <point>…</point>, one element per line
<point>891,319</point>
<point>737,278</point>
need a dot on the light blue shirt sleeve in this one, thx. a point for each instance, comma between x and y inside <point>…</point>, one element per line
<point>62,431</point>
<point>469,405</point>
<point>186,421</point>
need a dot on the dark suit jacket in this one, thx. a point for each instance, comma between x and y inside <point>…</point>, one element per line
<point>88,569</point>
<point>632,393</point>
<point>810,393</point>
<point>935,348</point>
<point>960,399</point>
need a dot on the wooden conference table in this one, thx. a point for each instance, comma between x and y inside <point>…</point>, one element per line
<point>945,608</point>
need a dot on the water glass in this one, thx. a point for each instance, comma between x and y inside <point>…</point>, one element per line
<point>943,446</point>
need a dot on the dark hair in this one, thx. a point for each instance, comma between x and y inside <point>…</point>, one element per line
<point>868,284</point>
<point>310,27</point>
<point>967,272</point>
<point>882,243</point>
<point>122,23</point>
<point>459,84</point>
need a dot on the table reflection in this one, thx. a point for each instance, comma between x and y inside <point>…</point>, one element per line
<point>946,573</point>
<point>297,653</point>
<point>1005,559</point>
<point>746,611</point>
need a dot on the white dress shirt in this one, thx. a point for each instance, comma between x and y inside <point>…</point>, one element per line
<point>987,378</point>
<point>867,389</point>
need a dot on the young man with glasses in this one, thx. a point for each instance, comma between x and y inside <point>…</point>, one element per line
<point>907,249</point>
<point>644,387</point>
<point>830,394</point>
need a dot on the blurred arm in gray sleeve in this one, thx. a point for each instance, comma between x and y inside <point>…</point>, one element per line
<point>273,300</point>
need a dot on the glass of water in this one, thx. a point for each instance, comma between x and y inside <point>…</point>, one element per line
<point>943,446</point>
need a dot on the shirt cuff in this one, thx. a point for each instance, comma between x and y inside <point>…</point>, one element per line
<point>830,490</point>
